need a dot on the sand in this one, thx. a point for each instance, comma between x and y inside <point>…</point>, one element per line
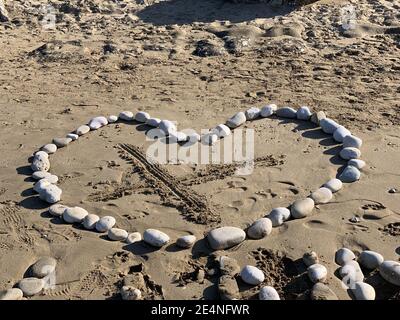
<point>197,63</point>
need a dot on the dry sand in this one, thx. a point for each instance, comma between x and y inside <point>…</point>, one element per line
<point>107,56</point>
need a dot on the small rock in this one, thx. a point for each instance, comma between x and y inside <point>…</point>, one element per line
<point>392,190</point>
<point>344,255</point>
<point>350,153</point>
<point>334,185</point>
<point>126,116</point>
<point>303,113</point>
<point>390,271</point>
<point>49,148</point>
<point>39,175</point>
<point>328,125</point>
<point>310,258</point>
<point>317,117</point>
<point>105,223</point>
<point>194,137</point>
<point>302,208</point>
<point>41,154</point>
<point>252,113</point>
<point>268,110</point>
<point>228,288</point>
<point>40,163</point>
<point>363,291</point>
<point>50,193</point>
<point>351,273</point>
<point>3,13</point>
<point>221,131</point>
<point>317,272</point>
<point>43,267</point>
<point>57,210</point>
<point>31,286</point>
<point>237,120</point>
<point>370,259</point>
<point>209,139</point>
<point>354,219</point>
<point>116,234</point>
<point>225,237</point>
<point>130,293</point>
<point>350,174</point>
<point>340,133</point>
<point>83,129</point>
<point>322,195</point>
<point>352,142</point>
<point>286,112</point>
<point>142,116</point>
<point>133,237</point>
<point>155,238</point>
<point>11,294</point>
<point>252,275</point>
<point>178,136</point>
<point>153,122</point>
<point>186,241</point>
<point>321,291</point>
<point>112,119</point>
<point>167,126</point>
<point>358,163</point>
<point>260,228</point>
<point>74,214</point>
<point>51,178</point>
<point>40,185</point>
<point>268,293</point>
<point>97,122</point>
<point>228,266</point>
<point>61,142</point>
<point>278,216</point>
<point>89,222</point>
<point>72,136</point>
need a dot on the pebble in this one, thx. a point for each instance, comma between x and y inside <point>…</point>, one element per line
<point>72,136</point>
<point>105,223</point>
<point>225,237</point>
<point>50,193</point>
<point>178,136</point>
<point>344,255</point>
<point>83,129</point>
<point>194,137</point>
<point>278,216</point>
<point>351,273</point>
<point>11,294</point>
<point>390,271</point>
<point>228,288</point>
<point>167,126</point>
<point>43,267</point>
<point>358,163</point>
<point>286,112</point>
<point>252,275</point>
<point>117,234</point>
<point>40,185</point>
<point>352,142</point>
<point>304,113</point>
<point>51,178</point>
<point>209,138</point>
<point>310,258</point>
<point>74,214</point>
<point>322,195</point>
<point>268,110</point>
<point>49,148</point>
<point>221,131</point>
<point>112,119</point>
<point>89,222</point>
<point>328,125</point>
<point>363,291</point>
<point>153,122</point>
<point>133,237</point>
<point>228,266</point>
<point>41,154</point>
<point>57,210</point>
<point>340,133</point>
<point>268,293</point>
<point>97,122</point>
<point>370,259</point>
<point>334,185</point>
<point>126,116</point>
<point>31,286</point>
<point>350,153</point>
<point>61,142</point>
<point>321,291</point>
<point>317,117</point>
<point>252,113</point>
<point>40,163</point>
<point>260,228</point>
<point>350,174</point>
<point>317,272</point>
<point>392,190</point>
<point>186,241</point>
<point>155,238</point>
<point>142,116</point>
<point>237,120</point>
<point>39,175</point>
<point>302,208</point>
<point>130,293</point>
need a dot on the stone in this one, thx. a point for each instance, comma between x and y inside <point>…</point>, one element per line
<point>322,195</point>
<point>310,258</point>
<point>303,113</point>
<point>49,148</point>
<point>167,127</point>
<point>316,117</point>
<point>142,116</point>
<point>252,113</point>
<point>3,12</point>
<point>153,122</point>
<point>221,131</point>
<point>209,139</point>
<point>41,154</point>
<point>350,153</point>
<point>268,293</point>
<point>105,223</point>
<point>130,293</point>
<point>278,216</point>
<point>40,163</point>
<point>340,133</point>
<point>133,237</point>
<point>357,163</point>
<point>97,122</point>
<point>57,210</point>
<point>194,137</point>
<point>50,193</point>
<point>363,291</point>
<point>228,288</point>
<point>31,286</point>
<point>40,185</point>
<point>351,273</point>
<point>390,271</point>
<point>52,178</point>
<point>236,120</point>
<point>83,129</point>
<point>350,174</point>
<point>334,185</point>
<point>328,125</point>
<point>73,136</point>
<point>74,215</point>
<point>321,291</point>
<point>268,110</point>
<point>228,266</point>
<point>11,294</point>
<point>126,116</point>
<point>61,142</point>
<point>39,175</point>
<point>370,259</point>
<point>351,141</point>
<point>43,267</point>
<point>317,272</point>
<point>89,222</point>
<point>344,255</point>
<point>178,136</point>
<point>302,208</point>
<point>112,119</point>
<point>186,241</point>
<point>225,237</point>
<point>117,234</point>
<point>260,228</point>
<point>286,112</point>
<point>155,238</point>
<point>252,275</point>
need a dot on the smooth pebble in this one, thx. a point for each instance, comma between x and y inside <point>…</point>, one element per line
<point>252,275</point>
<point>340,133</point>
<point>74,214</point>
<point>236,120</point>
<point>350,153</point>
<point>316,117</point>
<point>225,237</point>
<point>390,271</point>
<point>310,258</point>
<point>350,174</point>
<point>126,115</point>
<point>317,272</point>
<point>222,131</point>
<point>31,286</point>
<point>334,185</point>
<point>97,122</point>
<point>370,259</point>
<point>105,223</point>
<point>83,129</point>
<point>328,126</point>
<point>153,122</point>
<point>303,113</point>
<point>11,294</point>
<point>278,216</point>
<point>268,110</point>
<point>133,237</point>
<point>43,267</point>
<point>40,163</point>
<point>167,127</point>
<point>268,293</point>
<point>363,291</point>
<point>321,291</point>
<point>49,148</point>
<point>302,208</point>
<point>351,141</point>
<point>252,113</point>
<point>50,193</point>
<point>117,234</point>
<point>358,163</point>
<point>186,241</point>
<point>112,118</point>
<point>61,142</point>
<point>57,209</point>
<point>73,136</point>
<point>322,195</point>
<point>344,255</point>
<point>142,116</point>
<point>155,238</point>
<point>89,222</point>
<point>260,228</point>
<point>286,112</point>
<point>130,293</point>
<point>39,175</point>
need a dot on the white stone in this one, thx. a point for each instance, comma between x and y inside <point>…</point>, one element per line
<point>194,137</point>
<point>44,267</point>
<point>316,117</point>
<point>117,234</point>
<point>334,185</point>
<point>252,113</point>
<point>358,163</point>
<point>350,153</point>
<point>97,122</point>
<point>351,273</point>
<point>49,148</point>
<point>286,112</point>
<point>130,293</point>
<point>40,162</point>
<point>322,195</point>
<point>142,116</point>
<point>40,185</point>
<point>50,193</point>
<point>340,133</point>
<point>178,136</point>
<point>57,210</point>
<point>155,238</point>
<point>73,136</point>
<point>221,131</point>
<point>89,222</point>
<point>303,113</point>
<point>225,237</point>
<point>302,208</point>
<point>133,237</point>
<point>39,175</point>
<point>344,255</point>
<point>126,116</point>
<point>310,258</point>
<point>236,120</point>
<point>363,291</point>
<point>390,271</point>
<point>31,286</point>
<point>153,122</point>
<point>167,126</point>
<point>112,118</point>
<point>51,178</point>
<point>11,294</point>
<point>268,293</point>
<point>352,142</point>
<point>328,126</point>
<point>260,228</point>
<point>317,272</point>
<point>62,142</point>
<point>105,223</point>
<point>370,259</point>
<point>268,110</point>
<point>278,216</point>
<point>186,241</point>
<point>41,154</point>
<point>83,129</point>
<point>350,174</point>
<point>74,214</point>
<point>252,275</point>
<point>209,139</point>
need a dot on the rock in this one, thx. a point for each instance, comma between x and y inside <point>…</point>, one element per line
<point>317,117</point>
<point>3,13</point>
<point>278,216</point>
<point>155,238</point>
<point>317,272</point>
<point>303,113</point>
<point>390,271</point>
<point>321,291</point>
<point>43,267</point>
<point>72,136</point>
<point>40,163</point>
<point>350,153</point>
<point>350,174</point>
<point>39,175</point>
<point>112,119</point>
<point>49,148</point>
<point>74,215</point>
<point>97,122</point>
<point>83,129</point>
<point>116,234</point>
<point>142,116</point>
<point>363,291</point>
<point>41,154</point>
<point>310,258</point>
<point>302,208</point>
<point>57,210</point>
<point>340,133</point>
<point>351,141</point>
<point>322,195</point>
<point>268,293</point>
<point>268,110</point>
<point>11,294</point>
<point>228,266</point>
<point>186,241</point>
<point>40,185</point>
<point>50,193</point>
<point>130,293</point>
<point>260,228</point>
<point>105,223</point>
<point>178,136</point>
<point>61,142</point>
<point>252,275</point>
<point>89,222</point>
<point>252,113</point>
<point>225,237</point>
<point>209,139</point>
<point>133,237</point>
<point>334,185</point>
<point>328,125</point>
<point>286,112</point>
<point>370,259</point>
<point>126,116</point>
<point>51,178</point>
<point>31,286</point>
<point>357,163</point>
<point>351,273</point>
<point>237,120</point>
<point>194,137</point>
<point>167,126</point>
<point>228,288</point>
<point>344,255</point>
<point>153,122</point>
<point>221,131</point>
